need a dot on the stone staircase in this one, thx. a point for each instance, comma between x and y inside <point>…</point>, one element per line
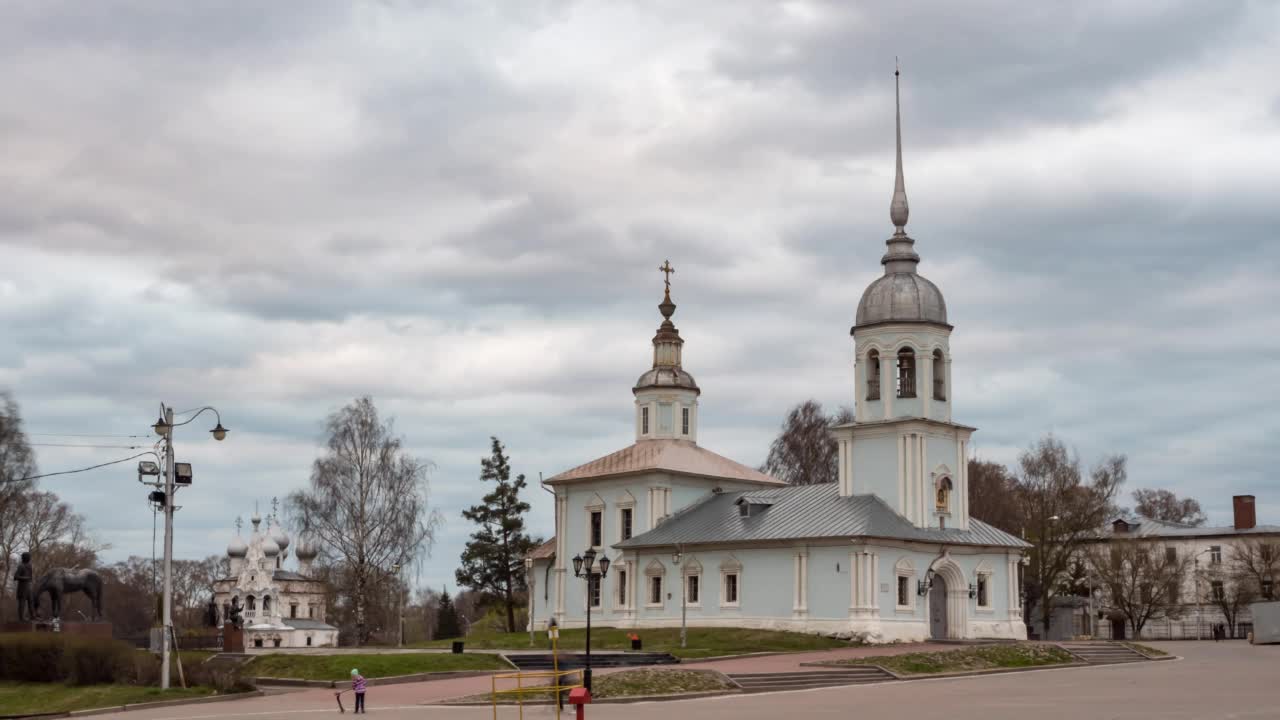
<point>803,680</point>
<point>575,661</point>
<point>1103,653</point>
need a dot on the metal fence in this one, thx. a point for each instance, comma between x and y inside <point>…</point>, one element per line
<point>1180,630</point>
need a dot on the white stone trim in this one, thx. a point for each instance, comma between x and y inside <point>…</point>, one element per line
<point>801,596</point>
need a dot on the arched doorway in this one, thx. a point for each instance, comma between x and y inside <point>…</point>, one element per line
<point>938,608</point>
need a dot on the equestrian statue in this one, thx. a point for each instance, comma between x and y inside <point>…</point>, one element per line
<point>60,581</point>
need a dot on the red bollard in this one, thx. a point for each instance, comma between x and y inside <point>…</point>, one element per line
<point>580,698</point>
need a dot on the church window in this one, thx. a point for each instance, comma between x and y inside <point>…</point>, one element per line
<point>311,613</point>
<point>692,586</point>
<point>906,373</point>
<point>257,642</point>
<point>266,604</point>
<point>873,375</point>
<point>904,591</point>
<point>593,589</point>
<point>684,421</point>
<point>293,610</point>
<point>665,418</point>
<point>984,590</point>
<point>597,528</point>
<point>251,603</point>
<point>624,518</point>
<point>644,421</point>
<point>622,588</point>
<point>939,376</point>
<point>275,642</point>
<point>655,590</point>
<point>731,588</point>
<point>943,500</point>
<point>308,641</point>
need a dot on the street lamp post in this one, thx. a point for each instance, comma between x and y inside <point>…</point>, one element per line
<point>676,558</point>
<point>164,428</point>
<point>399,607</point>
<point>528,582</point>
<point>583,567</point>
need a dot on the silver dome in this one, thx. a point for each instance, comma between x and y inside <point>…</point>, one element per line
<point>269,547</point>
<point>901,297</point>
<point>666,377</point>
<point>237,548</point>
<point>279,535</point>
<point>306,549</point>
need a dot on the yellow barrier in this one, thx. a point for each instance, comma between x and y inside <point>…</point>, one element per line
<point>555,687</point>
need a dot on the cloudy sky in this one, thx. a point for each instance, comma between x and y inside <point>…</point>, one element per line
<point>459,208</point>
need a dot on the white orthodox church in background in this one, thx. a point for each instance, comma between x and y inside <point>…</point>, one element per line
<point>280,608</point>
<point>887,553</point>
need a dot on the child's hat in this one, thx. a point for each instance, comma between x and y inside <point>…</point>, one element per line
<point>354,672</point>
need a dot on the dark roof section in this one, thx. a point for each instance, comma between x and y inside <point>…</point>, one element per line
<point>306,624</point>
<point>806,512</point>
<point>1140,526</point>
<point>545,551</point>
<point>289,575</point>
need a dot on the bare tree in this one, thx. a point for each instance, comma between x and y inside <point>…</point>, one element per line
<point>17,462</point>
<point>1140,580</point>
<point>1061,512</point>
<point>992,496</point>
<point>1225,587</point>
<point>367,503</point>
<point>1165,506</point>
<point>805,453</point>
<point>1257,561</point>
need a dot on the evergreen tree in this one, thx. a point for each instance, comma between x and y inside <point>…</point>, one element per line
<point>493,560</point>
<point>447,618</point>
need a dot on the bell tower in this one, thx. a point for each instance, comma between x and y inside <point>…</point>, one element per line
<point>666,395</point>
<point>903,445</point>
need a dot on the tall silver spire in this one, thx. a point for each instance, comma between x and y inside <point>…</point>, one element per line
<point>900,256</point>
<point>898,209</point>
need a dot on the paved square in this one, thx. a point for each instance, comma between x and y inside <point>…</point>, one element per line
<point>1214,680</point>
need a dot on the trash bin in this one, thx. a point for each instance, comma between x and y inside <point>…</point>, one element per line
<point>635,643</point>
<point>457,647</point>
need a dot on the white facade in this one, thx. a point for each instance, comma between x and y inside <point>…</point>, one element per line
<point>280,608</point>
<point>888,554</point>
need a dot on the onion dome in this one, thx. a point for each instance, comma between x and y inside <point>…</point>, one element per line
<point>902,294</point>
<point>306,549</point>
<point>667,349</point>
<point>278,534</point>
<point>269,547</point>
<point>237,547</point>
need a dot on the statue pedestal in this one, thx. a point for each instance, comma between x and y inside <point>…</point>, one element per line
<point>232,639</point>
<point>83,629</point>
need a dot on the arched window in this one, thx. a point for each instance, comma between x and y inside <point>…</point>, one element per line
<point>873,375</point>
<point>943,500</point>
<point>906,373</point>
<point>939,376</point>
<point>250,604</point>
<point>266,604</point>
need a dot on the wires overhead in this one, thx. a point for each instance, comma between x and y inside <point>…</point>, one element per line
<point>85,445</point>
<point>85,435</point>
<point>86,469</point>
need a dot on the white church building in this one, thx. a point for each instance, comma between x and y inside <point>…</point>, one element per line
<point>280,608</point>
<point>888,553</point>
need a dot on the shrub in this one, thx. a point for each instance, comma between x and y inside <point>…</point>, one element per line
<point>50,657</point>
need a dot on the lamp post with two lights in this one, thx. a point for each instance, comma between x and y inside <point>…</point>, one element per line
<point>584,567</point>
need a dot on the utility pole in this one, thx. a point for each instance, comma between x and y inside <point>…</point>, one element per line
<point>167,611</point>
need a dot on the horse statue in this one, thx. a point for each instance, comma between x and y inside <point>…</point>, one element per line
<point>59,581</point>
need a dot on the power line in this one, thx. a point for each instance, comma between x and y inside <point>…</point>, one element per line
<point>69,472</point>
<point>82,445</point>
<point>88,435</point>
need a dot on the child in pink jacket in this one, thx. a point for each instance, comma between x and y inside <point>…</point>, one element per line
<point>358,687</point>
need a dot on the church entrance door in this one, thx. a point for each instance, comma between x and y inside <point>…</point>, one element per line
<point>938,608</point>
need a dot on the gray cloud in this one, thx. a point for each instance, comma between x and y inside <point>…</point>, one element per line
<point>459,208</point>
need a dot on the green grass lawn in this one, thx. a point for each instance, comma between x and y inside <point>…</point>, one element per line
<point>1146,649</point>
<point>702,642</point>
<point>987,657</point>
<point>17,698</point>
<point>338,667</point>
<point>628,683</point>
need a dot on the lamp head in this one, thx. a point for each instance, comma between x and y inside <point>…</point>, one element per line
<point>219,433</point>
<point>161,427</point>
<point>589,559</point>
<point>577,565</point>
<point>604,565</point>
<point>675,558</point>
